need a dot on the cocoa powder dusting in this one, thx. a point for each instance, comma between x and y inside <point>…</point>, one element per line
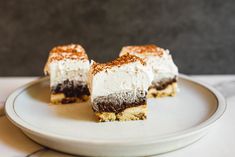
<point>125,59</point>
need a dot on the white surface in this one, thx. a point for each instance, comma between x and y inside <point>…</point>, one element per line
<point>219,142</point>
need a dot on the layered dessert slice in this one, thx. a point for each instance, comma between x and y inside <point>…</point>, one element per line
<point>118,89</point>
<point>68,67</point>
<point>164,70</point>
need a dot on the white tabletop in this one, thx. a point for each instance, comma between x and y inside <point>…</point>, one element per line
<point>219,142</point>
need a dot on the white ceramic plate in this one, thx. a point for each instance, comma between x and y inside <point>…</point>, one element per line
<point>172,123</point>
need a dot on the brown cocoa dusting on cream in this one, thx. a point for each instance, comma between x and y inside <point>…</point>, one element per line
<point>143,49</point>
<point>72,51</point>
<point>125,59</point>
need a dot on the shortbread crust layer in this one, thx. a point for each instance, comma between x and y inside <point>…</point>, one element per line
<point>132,113</point>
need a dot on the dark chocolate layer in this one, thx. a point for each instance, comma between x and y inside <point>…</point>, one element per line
<point>71,89</point>
<point>68,100</point>
<point>162,84</point>
<point>119,102</point>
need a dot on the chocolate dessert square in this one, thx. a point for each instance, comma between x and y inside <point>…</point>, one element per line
<point>164,70</point>
<point>68,67</point>
<point>119,88</point>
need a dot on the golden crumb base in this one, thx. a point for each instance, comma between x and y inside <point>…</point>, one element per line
<point>132,113</point>
<point>170,90</point>
<point>60,98</point>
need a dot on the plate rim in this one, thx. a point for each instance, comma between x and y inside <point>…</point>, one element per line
<point>16,120</point>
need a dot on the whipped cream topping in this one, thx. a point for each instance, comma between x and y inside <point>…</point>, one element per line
<point>68,69</point>
<point>69,52</point>
<point>127,77</point>
<point>162,65</point>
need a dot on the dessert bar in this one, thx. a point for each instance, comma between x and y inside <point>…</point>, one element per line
<point>164,70</point>
<point>118,89</point>
<point>68,67</point>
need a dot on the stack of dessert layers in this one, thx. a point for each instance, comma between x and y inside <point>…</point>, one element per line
<point>164,70</point>
<point>118,89</point>
<point>68,68</point>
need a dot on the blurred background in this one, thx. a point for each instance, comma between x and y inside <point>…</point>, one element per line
<point>199,33</point>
